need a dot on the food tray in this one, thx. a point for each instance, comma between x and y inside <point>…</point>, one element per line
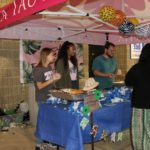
<point>67,96</point>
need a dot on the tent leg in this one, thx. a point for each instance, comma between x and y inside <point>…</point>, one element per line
<point>57,147</point>
<point>92,137</point>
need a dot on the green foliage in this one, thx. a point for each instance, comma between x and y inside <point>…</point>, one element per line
<point>30,47</point>
<point>79,54</point>
<point>28,72</point>
<point>1,123</point>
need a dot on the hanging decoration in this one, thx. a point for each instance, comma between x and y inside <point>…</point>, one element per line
<point>126,28</point>
<point>104,135</point>
<point>119,18</point>
<point>86,110</point>
<point>134,21</point>
<point>97,94</point>
<point>107,13</point>
<point>94,130</point>
<point>142,32</point>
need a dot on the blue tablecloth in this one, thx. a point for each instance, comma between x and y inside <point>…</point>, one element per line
<point>59,126</point>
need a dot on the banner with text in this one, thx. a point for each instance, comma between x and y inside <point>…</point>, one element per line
<point>20,9</point>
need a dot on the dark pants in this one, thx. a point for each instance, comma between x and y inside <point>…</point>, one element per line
<point>74,84</point>
<point>109,88</point>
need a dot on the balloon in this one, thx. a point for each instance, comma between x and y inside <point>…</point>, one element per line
<point>134,21</point>
<point>107,13</point>
<point>126,28</point>
<point>119,18</point>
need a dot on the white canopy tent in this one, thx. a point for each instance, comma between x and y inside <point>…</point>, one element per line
<point>78,21</point>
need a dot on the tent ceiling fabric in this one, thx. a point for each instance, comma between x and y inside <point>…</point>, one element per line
<point>78,21</point>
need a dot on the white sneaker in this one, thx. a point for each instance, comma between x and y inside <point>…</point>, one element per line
<point>49,145</point>
<point>39,147</point>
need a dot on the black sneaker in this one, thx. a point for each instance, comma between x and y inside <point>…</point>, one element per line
<point>37,148</point>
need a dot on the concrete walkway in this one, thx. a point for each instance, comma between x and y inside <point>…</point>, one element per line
<point>22,138</point>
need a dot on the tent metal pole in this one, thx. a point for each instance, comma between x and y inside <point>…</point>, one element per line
<point>101,30</point>
<point>48,13</point>
<point>140,17</point>
<point>76,9</point>
<point>122,6</point>
<point>73,34</point>
<point>90,28</point>
<point>107,36</point>
<point>99,20</point>
<point>142,25</point>
<point>144,21</point>
<point>91,16</point>
<point>92,137</point>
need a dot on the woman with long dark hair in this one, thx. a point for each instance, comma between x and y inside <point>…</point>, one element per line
<point>67,65</point>
<point>138,77</point>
